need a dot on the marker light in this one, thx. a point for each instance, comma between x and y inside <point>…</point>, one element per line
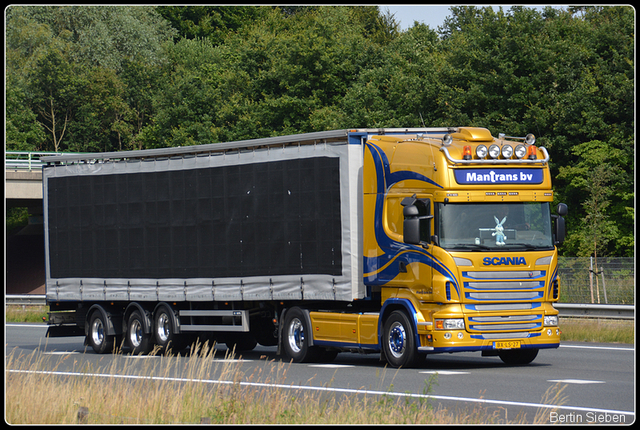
<point>466,152</point>
<point>494,151</point>
<point>520,151</point>
<point>507,151</point>
<point>481,151</point>
<point>531,152</point>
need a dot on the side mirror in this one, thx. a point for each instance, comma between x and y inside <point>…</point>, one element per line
<point>562,209</point>
<point>560,228</point>
<point>411,225</point>
<point>417,220</point>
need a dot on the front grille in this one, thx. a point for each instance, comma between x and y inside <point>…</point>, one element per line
<point>503,304</point>
<point>504,286</point>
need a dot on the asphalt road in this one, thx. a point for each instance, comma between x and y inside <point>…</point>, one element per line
<point>598,379</point>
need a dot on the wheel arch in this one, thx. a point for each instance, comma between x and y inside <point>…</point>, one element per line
<point>146,319</point>
<point>307,318</point>
<point>112,324</point>
<point>396,304</point>
<point>173,312</point>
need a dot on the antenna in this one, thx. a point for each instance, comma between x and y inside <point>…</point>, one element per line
<point>420,113</point>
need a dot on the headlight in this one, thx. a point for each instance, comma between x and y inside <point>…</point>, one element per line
<point>494,151</point>
<point>450,324</point>
<point>481,151</point>
<point>507,151</point>
<point>550,320</point>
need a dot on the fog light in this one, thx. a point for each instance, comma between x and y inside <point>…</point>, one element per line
<point>549,332</point>
<point>460,335</point>
<point>447,336</point>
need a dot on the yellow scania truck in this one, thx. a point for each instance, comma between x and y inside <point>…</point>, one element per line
<point>402,242</point>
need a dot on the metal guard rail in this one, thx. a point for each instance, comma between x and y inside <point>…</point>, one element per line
<point>572,310</point>
<point>24,160</point>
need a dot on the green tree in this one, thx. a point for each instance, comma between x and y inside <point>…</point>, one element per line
<point>212,22</point>
<point>54,86</point>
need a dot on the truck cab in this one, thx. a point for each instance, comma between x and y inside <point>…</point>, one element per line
<point>461,238</point>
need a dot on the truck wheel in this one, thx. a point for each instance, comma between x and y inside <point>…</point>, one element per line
<point>518,357</point>
<point>164,331</point>
<point>139,341</point>
<point>97,336</point>
<point>398,341</point>
<point>295,337</point>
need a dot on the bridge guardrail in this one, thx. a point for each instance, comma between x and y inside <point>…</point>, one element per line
<point>25,160</point>
<point>573,310</point>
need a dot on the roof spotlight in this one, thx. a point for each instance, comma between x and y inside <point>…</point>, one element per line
<point>494,151</point>
<point>481,151</point>
<point>507,151</point>
<point>520,151</point>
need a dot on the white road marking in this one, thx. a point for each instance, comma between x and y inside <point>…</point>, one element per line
<point>444,372</point>
<point>328,389</point>
<point>331,366</point>
<point>597,347</point>
<point>575,381</point>
<point>61,352</point>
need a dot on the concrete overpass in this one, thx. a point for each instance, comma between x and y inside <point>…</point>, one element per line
<point>23,188</point>
<point>24,250</point>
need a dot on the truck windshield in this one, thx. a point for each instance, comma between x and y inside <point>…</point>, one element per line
<point>494,226</point>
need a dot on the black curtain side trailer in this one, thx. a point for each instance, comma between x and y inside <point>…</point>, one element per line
<point>155,246</point>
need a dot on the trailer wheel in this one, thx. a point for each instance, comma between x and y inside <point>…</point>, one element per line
<point>97,336</point>
<point>295,337</point>
<point>139,341</point>
<point>164,331</point>
<point>517,357</point>
<point>398,341</point>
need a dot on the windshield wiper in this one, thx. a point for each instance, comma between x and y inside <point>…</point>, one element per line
<point>468,246</point>
<point>526,246</point>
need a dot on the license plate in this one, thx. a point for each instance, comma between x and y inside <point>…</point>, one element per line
<point>509,344</point>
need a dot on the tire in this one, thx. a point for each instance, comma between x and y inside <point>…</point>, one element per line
<point>398,341</point>
<point>518,357</point>
<point>295,337</point>
<point>97,335</point>
<point>139,341</point>
<point>164,331</point>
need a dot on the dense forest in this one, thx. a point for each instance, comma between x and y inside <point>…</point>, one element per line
<point>107,78</point>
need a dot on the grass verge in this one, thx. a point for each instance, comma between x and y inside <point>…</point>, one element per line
<point>156,396</point>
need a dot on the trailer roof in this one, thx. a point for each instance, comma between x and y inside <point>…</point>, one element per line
<point>304,138</point>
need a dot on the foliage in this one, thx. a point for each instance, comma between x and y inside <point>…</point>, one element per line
<point>107,78</point>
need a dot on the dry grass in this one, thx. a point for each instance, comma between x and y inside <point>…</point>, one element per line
<point>597,330</point>
<point>34,397</point>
